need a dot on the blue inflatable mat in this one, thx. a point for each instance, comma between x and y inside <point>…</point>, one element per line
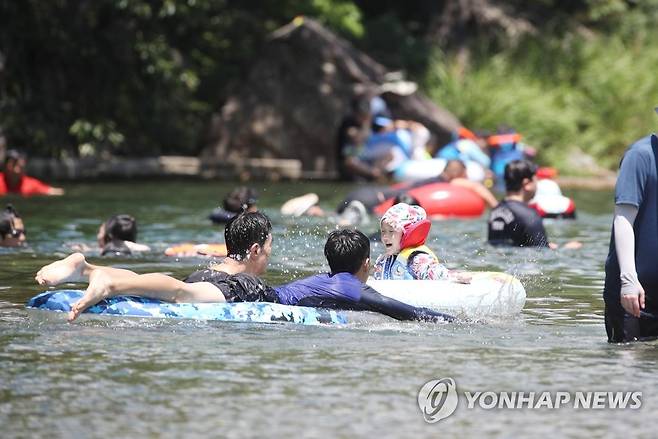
<point>133,306</point>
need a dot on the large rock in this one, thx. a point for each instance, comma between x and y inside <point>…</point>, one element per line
<point>292,102</point>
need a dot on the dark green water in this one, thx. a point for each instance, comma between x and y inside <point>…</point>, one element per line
<point>135,378</point>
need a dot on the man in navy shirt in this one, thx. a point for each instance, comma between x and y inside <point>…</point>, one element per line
<point>348,254</point>
<point>512,222</point>
<point>631,275</point>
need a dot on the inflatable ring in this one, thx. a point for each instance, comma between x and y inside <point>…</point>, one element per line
<point>550,203</point>
<point>443,200</point>
<point>132,306</point>
<point>192,250</point>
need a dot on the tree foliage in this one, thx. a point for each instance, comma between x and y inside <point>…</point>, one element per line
<point>142,77</point>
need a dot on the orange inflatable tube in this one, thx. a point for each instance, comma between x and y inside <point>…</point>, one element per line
<point>443,200</point>
<point>191,250</point>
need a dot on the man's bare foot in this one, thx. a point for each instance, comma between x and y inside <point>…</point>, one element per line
<point>69,269</point>
<point>99,288</point>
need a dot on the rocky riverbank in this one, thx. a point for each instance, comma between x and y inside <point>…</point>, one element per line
<point>194,167</point>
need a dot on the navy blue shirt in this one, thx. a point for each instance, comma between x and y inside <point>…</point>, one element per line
<point>346,291</point>
<point>514,223</point>
<point>340,287</point>
<point>637,185</point>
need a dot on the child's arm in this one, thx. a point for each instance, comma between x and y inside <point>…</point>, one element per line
<point>378,267</point>
<point>425,267</point>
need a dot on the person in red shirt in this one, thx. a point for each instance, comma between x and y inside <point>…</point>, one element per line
<point>14,181</point>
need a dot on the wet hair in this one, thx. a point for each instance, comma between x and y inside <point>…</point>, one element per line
<point>245,230</point>
<point>14,155</point>
<point>516,171</point>
<point>7,217</point>
<point>120,228</point>
<point>407,198</point>
<point>240,199</point>
<point>346,250</point>
<point>116,248</point>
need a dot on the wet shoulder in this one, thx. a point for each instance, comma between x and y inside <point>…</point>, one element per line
<point>206,275</point>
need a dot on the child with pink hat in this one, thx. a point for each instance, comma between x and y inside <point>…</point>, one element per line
<point>404,231</point>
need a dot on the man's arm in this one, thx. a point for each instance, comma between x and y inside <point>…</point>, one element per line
<point>33,186</point>
<point>55,191</point>
<point>632,293</point>
<point>478,188</point>
<point>371,300</point>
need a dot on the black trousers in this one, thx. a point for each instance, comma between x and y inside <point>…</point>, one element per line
<point>623,327</point>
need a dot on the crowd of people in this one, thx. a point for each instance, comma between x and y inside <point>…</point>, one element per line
<point>631,309</point>
<point>404,229</point>
<point>373,146</point>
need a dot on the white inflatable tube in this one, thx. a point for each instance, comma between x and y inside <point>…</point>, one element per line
<point>412,170</point>
<point>488,294</point>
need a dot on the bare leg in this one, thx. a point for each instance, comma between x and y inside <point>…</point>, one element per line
<point>107,282</point>
<point>73,269</point>
<point>104,283</point>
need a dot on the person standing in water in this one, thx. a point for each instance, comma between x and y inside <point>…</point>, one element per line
<point>631,278</point>
<point>513,222</point>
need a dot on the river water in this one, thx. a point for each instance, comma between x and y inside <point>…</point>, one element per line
<point>102,377</point>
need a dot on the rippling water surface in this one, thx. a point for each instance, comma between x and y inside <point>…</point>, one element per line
<point>102,377</point>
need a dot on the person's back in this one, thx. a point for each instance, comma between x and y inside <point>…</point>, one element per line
<point>322,290</point>
<point>348,254</point>
<point>118,236</point>
<point>512,222</point>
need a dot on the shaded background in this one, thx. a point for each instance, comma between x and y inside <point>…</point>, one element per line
<point>142,78</point>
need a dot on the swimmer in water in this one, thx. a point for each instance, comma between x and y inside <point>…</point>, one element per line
<point>241,199</point>
<point>118,236</point>
<point>249,242</point>
<point>12,230</point>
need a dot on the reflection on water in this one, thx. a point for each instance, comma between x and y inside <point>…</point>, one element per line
<point>132,377</point>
